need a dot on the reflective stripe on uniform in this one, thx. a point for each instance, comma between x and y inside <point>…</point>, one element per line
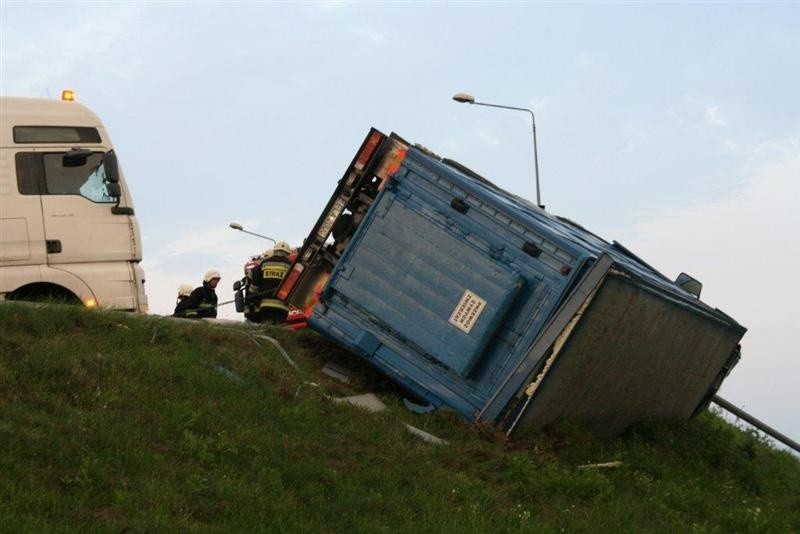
<point>274,304</point>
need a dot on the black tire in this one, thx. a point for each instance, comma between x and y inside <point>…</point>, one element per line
<point>44,293</point>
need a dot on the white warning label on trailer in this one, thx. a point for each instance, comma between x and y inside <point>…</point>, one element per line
<point>467,311</point>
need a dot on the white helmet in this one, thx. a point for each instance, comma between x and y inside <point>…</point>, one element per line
<point>283,246</point>
<point>210,275</point>
<point>184,290</point>
<point>267,253</point>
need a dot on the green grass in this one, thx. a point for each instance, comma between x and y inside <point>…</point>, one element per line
<point>119,422</point>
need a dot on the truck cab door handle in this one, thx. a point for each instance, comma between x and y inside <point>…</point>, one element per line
<point>53,246</point>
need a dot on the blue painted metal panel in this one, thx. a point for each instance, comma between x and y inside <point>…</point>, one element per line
<point>410,264</point>
<point>431,270</point>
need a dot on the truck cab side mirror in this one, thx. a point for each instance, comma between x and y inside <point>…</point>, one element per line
<point>111,167</point>
<point>114,190</point>
<point>112,183</point>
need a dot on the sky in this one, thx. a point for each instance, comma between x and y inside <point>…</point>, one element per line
<point>673,128</point>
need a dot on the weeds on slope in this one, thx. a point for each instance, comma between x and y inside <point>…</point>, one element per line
<point>118,422</point>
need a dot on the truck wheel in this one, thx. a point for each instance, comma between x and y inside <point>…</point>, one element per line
<point>42,292</point>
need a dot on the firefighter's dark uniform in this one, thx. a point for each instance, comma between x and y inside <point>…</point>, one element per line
<point>201,303</point>
<point>180,307</point>
<point>273,270</point>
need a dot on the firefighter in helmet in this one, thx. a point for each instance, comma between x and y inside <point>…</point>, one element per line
<point>202,302</point>
<point>273,269</point>
<point>184,290</point>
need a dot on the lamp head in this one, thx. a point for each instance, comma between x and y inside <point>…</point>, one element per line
<point>236,226</point>
<point>464,98</point>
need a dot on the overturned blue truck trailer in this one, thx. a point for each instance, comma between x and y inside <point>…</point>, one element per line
<point>475,299</point>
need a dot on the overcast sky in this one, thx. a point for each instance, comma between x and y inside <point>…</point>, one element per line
<point>673,128</point>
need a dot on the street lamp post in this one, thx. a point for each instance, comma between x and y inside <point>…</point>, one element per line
<point>237,226</point>
<point>464,98</point>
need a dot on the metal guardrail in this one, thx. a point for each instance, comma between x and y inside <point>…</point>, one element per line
<point>765,428</point>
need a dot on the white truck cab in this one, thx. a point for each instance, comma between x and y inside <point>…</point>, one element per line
<point>67,224</point>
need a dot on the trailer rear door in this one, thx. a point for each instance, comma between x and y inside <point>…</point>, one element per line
<point>415,277</point>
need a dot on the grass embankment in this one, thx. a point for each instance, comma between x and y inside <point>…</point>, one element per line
<point>117,422</point>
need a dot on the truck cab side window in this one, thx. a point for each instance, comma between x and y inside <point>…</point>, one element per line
<point>46,174</point>
<point>87,179</point>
